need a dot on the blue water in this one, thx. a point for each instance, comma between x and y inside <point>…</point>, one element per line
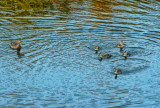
<point>60,69</point>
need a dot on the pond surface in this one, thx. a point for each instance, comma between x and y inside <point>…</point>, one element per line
<point>59,68</point>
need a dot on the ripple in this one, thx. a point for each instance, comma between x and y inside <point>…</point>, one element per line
<point>60,65</point>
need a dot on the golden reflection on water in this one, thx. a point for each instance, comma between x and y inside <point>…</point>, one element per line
<point>99,7</point>
<point>104,5</point>
<point>28,4</point>
<point>103,9</point>
<point>26,7</point>
<point>43,7</point>
<point>37,7</point>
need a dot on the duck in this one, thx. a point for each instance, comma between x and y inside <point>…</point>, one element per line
<point>120,45</point>
<point>96,48</point>
<point>16,45</point>
<point>117,71</point>
<point>104,56</point>
<point>126,54</point>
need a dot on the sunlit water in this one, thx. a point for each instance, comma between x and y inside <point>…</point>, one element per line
<point>60,68</point>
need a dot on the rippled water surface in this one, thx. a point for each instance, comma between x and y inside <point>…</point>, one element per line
<point>59,67</point>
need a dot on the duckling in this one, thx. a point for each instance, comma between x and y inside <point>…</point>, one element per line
<point>104,56</point>
<point>16,45</point>
<point>117,71</point>
<point>125,54</point>
<point>120,45</point>
<point>96,48</point>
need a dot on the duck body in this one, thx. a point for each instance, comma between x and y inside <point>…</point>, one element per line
<point>16,45</point>
<point>117,71</point>
<point>107,56</point>
<point>96,48</point>
<point>126,54</point>
<point>104,56</point>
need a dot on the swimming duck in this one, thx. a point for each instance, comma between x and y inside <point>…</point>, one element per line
<point>125,54</point>
<point>96,48</point>
<point>117,71</point>
<point>104,56</point>
<point>16,45</point>
<point>120,45</point>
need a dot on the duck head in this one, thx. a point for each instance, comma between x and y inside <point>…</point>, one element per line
<point>96,48</point>
<point>19,41</point>
<point>121,43</point>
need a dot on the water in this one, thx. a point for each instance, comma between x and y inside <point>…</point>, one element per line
<point>60,68</point>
